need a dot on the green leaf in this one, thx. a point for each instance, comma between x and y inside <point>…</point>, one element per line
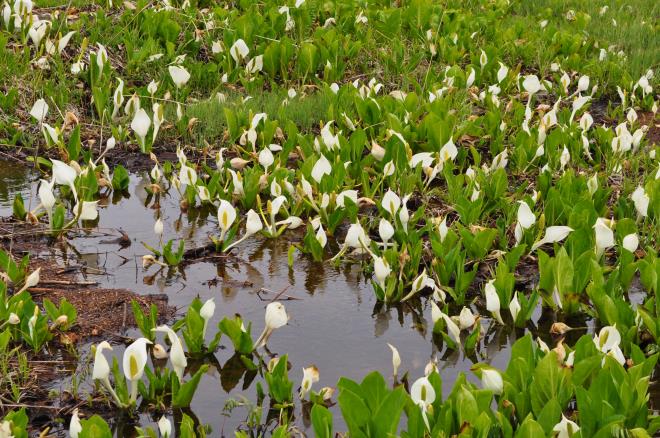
<point>551,381</point>
<point>19,208</point>
<point>185,393</point>
<point>120,178</point>
<point>95,427</point>
<point>530,429</point>
<point>321,421</point>
<point>73,147</point>
<point>549,416</point>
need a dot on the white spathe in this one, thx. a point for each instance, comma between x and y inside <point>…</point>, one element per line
<point>321,167</point>
<point>133,363</point>
<point>239,50</point>
<point>555,233</point>
<point>39,110</point>
<point>180,76</point>
<point>492,380</point>
<point>275,318</point>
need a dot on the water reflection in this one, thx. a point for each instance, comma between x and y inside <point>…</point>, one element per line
<point>336,322</point>
<point>14,179</point>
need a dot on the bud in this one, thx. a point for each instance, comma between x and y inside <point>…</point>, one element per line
<point>61,320</point>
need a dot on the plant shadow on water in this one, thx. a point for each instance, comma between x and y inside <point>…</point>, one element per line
<point>336,322</point>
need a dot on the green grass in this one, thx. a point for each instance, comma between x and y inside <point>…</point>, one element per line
<point>306,111</point>
<point>636,33</point>
<point>396,58</point>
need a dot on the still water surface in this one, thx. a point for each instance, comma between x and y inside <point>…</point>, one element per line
<point>336,322</point>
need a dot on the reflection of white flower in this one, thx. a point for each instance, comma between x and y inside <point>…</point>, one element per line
<point>87,211</point>
<point>165,427</point>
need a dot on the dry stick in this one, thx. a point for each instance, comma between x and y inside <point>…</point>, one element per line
<point>286,297</point>
<point>123,323</point>
<point>29,406</point>
<point>40,290</point>
<point>69,283</point>
<point>280,293</point>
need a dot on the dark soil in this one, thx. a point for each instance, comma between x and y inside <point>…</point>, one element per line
<point>101,312</point>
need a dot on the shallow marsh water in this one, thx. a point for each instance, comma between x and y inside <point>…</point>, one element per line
<point>336,322</point>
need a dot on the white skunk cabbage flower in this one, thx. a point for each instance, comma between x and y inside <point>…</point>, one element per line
<point>491,379</point>
<point>526,219</point>
<point>177,356</point>
<point>140,125</point>
<point>382,270</point>
<point>631,242</point>
<point>226,217</point>
<point>63,174</point>
<point>466,318</point>
<point>75,427</point>
<point>276,317</point>
<point>514,306</point>
<point>252,226</point>
<point>310,376</point>
<point>396,359</point>
<point>608,341</point>
<point>502,73</point>
<point>46,196</point>
<point>555,233</point>
<point>423,395</point>
<point>101,370</point>
<point>531,84</point>
<point>453,330</point>
<point>179,75</point>
<point>321,167</point>
<point>32,280</point>
<point>87,211</point>
<point>641,201</point>
<point>565,428</point>
<point>604,236</point>
<point>239,50</point>
<point>385,230</point>
<point>158,227</point>
<point>493,301</point>
<point>39,110</point>
<point>133,363</point>
<point>391,202</point>
<point>206,312</point>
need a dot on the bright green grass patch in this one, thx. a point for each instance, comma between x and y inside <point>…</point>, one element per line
<point>630,26</point>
